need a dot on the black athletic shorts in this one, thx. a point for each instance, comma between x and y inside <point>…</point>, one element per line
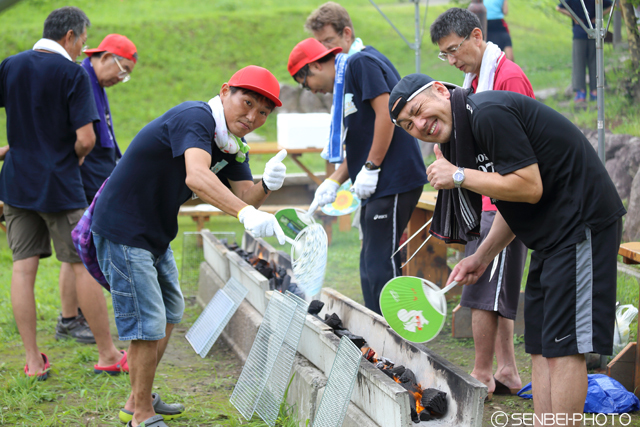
<point>498,33</point>
<point>570,298</point>
<point>498,289</point>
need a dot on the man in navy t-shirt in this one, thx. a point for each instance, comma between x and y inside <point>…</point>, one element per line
<point>194,149</point>
<point>107,65</point>
<point>385,166</point>
<point>50,114</point>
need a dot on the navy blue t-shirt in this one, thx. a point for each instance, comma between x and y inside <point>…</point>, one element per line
<point>46,98</point>
<point>576,6</point>
<point>370,74</point>
<point>139,205</point>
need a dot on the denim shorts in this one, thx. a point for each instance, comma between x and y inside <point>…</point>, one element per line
<point>144,288</point>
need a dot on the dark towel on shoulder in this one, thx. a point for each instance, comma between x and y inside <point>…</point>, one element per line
<point>456,218</point>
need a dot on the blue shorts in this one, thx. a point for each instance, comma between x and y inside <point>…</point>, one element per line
<point>144,288</point>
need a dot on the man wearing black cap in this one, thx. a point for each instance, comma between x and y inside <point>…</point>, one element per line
<point>195,149</point>
<point>553,193</point>
<point>384,165</point>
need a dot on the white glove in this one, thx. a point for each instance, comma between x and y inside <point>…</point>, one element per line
<point>326,193</point>
<point>260,224</point>
<point>366,183</point>
<point>275,171</point>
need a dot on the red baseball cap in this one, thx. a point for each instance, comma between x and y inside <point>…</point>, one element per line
<point>306,52</point>
<point>118,45</point>
<point>259,80</point>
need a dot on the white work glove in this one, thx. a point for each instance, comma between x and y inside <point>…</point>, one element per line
<point>326,193</point>
<point>275,171</point>
<point>366,183</point>
<point>260,224</point>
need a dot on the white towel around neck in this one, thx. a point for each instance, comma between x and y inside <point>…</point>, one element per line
<point>51,46</point>
<point>490,60</point>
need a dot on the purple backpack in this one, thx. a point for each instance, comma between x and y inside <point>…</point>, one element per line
<point>83,241</point>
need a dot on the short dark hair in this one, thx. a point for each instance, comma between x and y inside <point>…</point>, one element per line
<point>304,71</point>
<point>60,21</point>
<point>256,95</point>
<point>455,20</point>
<point>330,13</point>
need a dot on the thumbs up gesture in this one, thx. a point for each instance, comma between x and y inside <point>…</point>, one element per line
<point>440,173</point>
<point>275,171</point>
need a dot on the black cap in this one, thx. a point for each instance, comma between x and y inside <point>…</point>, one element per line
<point>407,89</point>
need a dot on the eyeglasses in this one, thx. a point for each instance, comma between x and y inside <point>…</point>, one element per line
<point>123,74</point>
<point>304,81</point>
<point>328,42</point>
<point>443,55</point>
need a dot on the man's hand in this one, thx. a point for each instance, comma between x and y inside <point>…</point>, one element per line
<point>468,271</point>
<point>366,183</point>
<point>440,173</point>
<point>81,160</point>
<point>326,193</point>
<point>260,224</point>
<point>275,171</point>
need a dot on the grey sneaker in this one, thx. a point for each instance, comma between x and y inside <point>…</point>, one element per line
<point>77,329</point>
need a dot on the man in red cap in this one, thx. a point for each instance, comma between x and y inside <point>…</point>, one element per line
<point>195,149</point>
<point>107,65</point>
<point>385,166</point>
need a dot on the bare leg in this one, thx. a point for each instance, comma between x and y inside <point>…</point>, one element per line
<point>94,308</point>
<point>507,370</point>
<point>569,384</point>
<point>23,301</point>
<point>143,359</point>
<point>484,325</point>
<point>162,346</point>
<point>541,385</point>
<point>68,296</point>
<point>508,52</point>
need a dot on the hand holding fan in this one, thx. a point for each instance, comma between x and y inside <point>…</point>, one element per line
<point>415,308</point>
<point>345,203</point>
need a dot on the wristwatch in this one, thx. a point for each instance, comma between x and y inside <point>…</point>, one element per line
<point>458,177</point>
<point>370,166</point>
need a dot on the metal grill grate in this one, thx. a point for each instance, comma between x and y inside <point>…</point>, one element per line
<point>192,256</point>
<point>337,393</point>
<point>206,330</point>
<point>263,354</point>
<point>268,406</point>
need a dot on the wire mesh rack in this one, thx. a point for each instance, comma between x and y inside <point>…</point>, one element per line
<point>337,393</point>
<point>263,354</point>
<point>216,315</point>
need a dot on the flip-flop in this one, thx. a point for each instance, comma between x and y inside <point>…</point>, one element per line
<point>43,375</point>
<point>502,389</point>
<point>155,421</point>
<point>168,411</point>
<point>116,368</point>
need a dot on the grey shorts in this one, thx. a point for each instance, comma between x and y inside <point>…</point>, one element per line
<point>498,289</point>
<point>30,233</point>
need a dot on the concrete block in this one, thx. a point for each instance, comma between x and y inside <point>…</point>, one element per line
<point>215,253</point>
<point>303,391</point>
<point>255,282</point>
<point>355,417</point>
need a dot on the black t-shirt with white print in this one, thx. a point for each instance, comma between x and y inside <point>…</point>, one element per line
<point>514,131</point>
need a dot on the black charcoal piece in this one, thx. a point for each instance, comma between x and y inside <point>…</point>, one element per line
<point>272,284</point>
<point>425,416</point>
<point>408,377</point>
<point>434,401</point>
<point>315,306</point>
<point>356,339</point>
<point>397,371</point>
<point>333,321</point>
<point>286,281</point>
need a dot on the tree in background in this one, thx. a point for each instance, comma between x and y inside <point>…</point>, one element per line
<point>633,37</point>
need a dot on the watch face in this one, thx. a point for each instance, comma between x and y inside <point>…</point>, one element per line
<point>458,176</point>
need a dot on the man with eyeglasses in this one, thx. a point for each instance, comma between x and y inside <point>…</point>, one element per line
<point>385,166</point>
<point>553,193</point>
<point>107,65</point>
<point>50,114</point>
<point>493,300</point>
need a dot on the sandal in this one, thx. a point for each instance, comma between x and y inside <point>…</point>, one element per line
<point>168,411</point>
<point>116,368</point>
<point>155,421</point>
<point>41,375</point>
